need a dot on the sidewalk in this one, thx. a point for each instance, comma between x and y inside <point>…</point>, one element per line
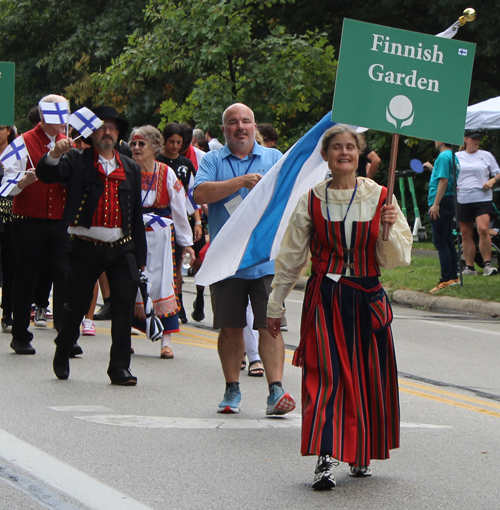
<point>433,302</point>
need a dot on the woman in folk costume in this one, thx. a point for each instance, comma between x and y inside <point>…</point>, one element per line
<point>350,400</point>
<point>164,205</point>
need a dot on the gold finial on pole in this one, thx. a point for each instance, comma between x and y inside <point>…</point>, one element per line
<point>468,15</point>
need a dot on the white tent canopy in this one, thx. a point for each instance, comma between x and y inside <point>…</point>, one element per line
<point>484,115</point>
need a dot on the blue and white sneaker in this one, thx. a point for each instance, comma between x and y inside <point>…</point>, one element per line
<point>279,402</point>
<point>360,471</point>
<point>231,401</point>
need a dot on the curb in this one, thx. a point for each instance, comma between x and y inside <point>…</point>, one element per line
<point>423,300</point>
<point>419,299</point>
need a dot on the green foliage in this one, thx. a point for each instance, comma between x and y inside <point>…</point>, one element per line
<point>208,55</point>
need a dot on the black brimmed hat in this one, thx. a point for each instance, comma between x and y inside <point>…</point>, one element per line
<point>108,112</point>
<point>473,133</point>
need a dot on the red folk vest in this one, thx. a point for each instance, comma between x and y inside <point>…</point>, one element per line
<point>330,253</point>
<point>149,181</point>
<point>39,200</point>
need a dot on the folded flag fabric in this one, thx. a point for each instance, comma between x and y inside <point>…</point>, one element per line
<point>253,233</point>
<point>55,113</point>
<point>85,121</point>
<point>9,185</point>
<point>156,222</point>
<point>15,151</point>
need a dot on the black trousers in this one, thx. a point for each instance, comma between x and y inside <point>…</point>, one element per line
<point>87,260</point>
<point>35,240</point>
<point>8,260</point>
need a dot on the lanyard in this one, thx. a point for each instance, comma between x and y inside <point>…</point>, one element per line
<point>150,184</point>
<point>350,203</point>
<point>248,167</point>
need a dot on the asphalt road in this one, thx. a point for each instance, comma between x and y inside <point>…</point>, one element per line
<point>82,443</point>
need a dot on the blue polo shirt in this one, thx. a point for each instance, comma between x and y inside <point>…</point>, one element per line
<point>222,165</point>
<point>443,169</point>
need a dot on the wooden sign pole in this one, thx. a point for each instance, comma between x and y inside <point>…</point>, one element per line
<point>391,179</point>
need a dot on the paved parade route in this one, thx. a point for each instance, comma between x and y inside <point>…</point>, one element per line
<point>84,444</point>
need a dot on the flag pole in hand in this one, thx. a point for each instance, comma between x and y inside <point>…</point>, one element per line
<point>391,179</point>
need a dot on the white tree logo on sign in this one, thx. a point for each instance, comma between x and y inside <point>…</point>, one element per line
<point>400,109</point>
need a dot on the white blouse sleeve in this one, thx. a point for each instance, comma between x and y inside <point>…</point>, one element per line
<point>292,257</point>
<point>396,251</point>
<point>182,228</point>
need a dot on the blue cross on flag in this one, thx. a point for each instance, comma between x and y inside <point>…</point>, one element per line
<point>15,151</point>
<point>55,113</point>
<point>85,121</point>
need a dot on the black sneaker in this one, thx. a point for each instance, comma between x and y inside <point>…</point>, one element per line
<point>104,313</point>
<point>323,474</point>
<point>7,324</point>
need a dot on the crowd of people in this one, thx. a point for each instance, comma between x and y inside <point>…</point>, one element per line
<point>108,207</point>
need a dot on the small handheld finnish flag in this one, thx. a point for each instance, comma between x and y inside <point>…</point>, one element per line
<point>85,121</point>
<point>191,205</point>
<point>15,151</point>
<point>9,185</point>
<point>55,113</point>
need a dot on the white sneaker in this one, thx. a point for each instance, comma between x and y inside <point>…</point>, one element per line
<point>360,471</point>
<point>489,270</point>
<point>40,318</point>
<point>88,327</point>
<point>468,271</point>
<point>323,474</point>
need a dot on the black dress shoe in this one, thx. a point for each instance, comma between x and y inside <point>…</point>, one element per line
<point>61,364</point>
<point>76,350</point>
<point>104,313</point>
<point>121,376</point>
<point>22,347</point>
<point>198,313</point>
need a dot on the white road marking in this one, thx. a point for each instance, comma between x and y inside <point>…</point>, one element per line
<point>456,326</point>
<point>82,409</point>
<point>423,426</point>
<point>64,478</point>
<point>290,421</point>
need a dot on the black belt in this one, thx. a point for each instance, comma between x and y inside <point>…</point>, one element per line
<point>118,242</point>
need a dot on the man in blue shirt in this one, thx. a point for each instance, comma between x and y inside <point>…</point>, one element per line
<point>224,179</point>
<point>441,201</point>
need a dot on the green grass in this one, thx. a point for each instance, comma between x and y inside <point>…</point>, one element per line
<point>424,272</point>
<point>423,246</point>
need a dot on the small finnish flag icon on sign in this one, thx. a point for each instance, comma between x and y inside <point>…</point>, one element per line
<point>462,51</point>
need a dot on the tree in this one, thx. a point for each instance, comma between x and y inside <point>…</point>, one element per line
<point>207,55</point>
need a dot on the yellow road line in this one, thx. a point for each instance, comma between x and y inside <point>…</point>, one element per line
<point>450,402</point>
<point>451,394</point>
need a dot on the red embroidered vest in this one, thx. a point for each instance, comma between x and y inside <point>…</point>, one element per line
<point>330,253</point>
<point>149,181</point>
<point>39,200</point>
<point>108,212</point>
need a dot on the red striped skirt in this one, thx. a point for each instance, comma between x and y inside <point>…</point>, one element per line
<point>350,397</point>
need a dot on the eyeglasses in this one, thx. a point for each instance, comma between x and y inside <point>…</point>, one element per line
<point>3,127</point>
<point>110,127</point>
<point>140,143</point>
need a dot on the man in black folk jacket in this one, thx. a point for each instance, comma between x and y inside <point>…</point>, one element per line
<point>103,207</point>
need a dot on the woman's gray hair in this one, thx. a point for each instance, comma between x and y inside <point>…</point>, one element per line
<point>151,134</point>
<point>339,129</point>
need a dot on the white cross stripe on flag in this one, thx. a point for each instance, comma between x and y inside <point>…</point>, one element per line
<point>85,121</point>
<point>55,113</point>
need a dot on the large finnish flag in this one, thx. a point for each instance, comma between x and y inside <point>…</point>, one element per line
<point>55,113</point>
<point>15,151</point>
<point>85,121</point>
<point>253,233</point>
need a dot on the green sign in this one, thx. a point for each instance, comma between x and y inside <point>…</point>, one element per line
<point>403,82</point>
<point>7,81</point>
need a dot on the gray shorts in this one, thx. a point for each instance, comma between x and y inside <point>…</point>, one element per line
<point>230,301</point>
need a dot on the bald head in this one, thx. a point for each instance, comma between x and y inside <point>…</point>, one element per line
<point>238,126</point>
